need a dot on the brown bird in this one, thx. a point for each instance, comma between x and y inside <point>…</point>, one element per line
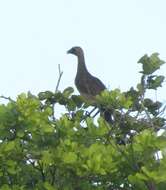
<point>88,85</point>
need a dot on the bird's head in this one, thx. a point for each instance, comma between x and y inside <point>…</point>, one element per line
<point>75,51</point>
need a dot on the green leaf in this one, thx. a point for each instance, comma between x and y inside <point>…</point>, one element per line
<point>157,176</point>
<point>114,99</point>
<point>137,182</point>
<point>45,95</point>
<point>155,81</point>
<point>150,64</point>
<point>68,91</point>
<point>69,157</point>
<point>47,157</point>
<point>9,146</point>
<point>48,129</point>
<point>5,187</point>
<point>49,186</point>
<point>146,139</point>
<point>11,166</point>
<point>78,100</point>
<point>153,107</point>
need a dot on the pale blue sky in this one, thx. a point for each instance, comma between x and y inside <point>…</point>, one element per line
<point>35,35</point>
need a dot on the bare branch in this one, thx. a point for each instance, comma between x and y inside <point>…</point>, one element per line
<point>7,98</point>
<point>57,86</point>
<point>60,75</point>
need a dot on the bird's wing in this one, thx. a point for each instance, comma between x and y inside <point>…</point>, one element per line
<point>95,85</point>
<point>89,85</point>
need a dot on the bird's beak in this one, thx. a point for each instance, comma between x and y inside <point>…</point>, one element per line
<point>69,51</point>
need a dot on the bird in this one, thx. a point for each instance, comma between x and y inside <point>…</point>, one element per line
<point>88,85</point>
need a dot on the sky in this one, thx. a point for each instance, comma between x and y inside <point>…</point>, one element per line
<point>35,35</point>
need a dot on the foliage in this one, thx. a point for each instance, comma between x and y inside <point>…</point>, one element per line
<point>41,152</point>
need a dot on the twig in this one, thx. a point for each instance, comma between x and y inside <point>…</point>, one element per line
<point>60,75</point>
<point>150,185</point>
<point>96,114</point>
<point>89,114</point>
<point>147,114</point>
<point>7,98</point>
<point>162,111</point>
<point>57,86</point>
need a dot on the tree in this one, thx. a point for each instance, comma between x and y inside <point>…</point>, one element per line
<point>74,152</point>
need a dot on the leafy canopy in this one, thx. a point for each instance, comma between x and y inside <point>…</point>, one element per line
<point>39,151</point>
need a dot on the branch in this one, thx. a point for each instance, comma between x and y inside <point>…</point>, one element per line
<point>57,86</point>
<point>7,98</point>
<point>60,75</point>
<point>147,114</point>
<point>150,185</point>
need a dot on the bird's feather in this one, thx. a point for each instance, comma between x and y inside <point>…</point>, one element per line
<point>89,86</point>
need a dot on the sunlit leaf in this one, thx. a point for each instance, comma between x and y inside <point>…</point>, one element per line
<point>150,63</point>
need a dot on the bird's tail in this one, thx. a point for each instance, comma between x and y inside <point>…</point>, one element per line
<point>107,114</point>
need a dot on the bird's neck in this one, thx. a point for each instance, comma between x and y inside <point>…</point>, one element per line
<point>81,68</point>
